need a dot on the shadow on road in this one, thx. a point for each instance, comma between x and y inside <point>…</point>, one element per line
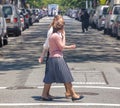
<point>91,46</point>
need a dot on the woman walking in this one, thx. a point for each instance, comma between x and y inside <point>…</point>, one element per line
<point>57,69</point>
<point>46,51</point>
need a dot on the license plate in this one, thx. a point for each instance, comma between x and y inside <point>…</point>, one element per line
<point>7,20</point>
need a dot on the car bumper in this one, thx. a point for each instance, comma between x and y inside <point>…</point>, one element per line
<point>11,30</point>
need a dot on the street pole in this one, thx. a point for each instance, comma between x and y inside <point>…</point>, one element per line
<point>90,4</point>
<point>86,4</point>
<point>19,3</point>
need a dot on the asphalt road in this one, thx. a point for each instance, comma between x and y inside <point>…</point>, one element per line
<point>95,66</point>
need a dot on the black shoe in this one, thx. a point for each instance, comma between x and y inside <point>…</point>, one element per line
<point>74,99</point>
<point>47,99</point>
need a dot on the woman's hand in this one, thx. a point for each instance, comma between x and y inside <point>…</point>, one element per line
<point>72,46</point>
<point>40,60</point>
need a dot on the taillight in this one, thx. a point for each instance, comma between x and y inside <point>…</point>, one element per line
<point>27,16</point>
<point>110,12</point>
<point>22,20</point>
<point>15,20</point>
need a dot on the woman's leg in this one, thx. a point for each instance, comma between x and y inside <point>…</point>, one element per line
<point>71,90</point>
<point>67,93</point>
<point>46,89</point>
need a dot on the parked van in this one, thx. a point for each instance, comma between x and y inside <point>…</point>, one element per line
<point>12,19</point>
<point>113,11</point>
<point>99,15</point>
<point>3,29</point>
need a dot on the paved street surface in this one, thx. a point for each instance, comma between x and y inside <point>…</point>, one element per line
<point>95,66</point>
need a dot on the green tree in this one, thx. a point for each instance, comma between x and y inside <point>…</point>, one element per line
<point>62,3</point>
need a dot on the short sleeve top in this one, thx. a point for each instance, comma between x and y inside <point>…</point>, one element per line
<point>55,48</point>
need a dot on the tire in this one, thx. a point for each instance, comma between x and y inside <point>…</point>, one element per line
<point>1,42</point>
<point>18,33</point>
<point>5,42</point>
<point>105,31</point>
<point>5,39</point>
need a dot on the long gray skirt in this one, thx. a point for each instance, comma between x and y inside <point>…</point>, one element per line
<point>57,71</point>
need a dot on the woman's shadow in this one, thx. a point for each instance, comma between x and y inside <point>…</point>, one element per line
<point>39,98</point>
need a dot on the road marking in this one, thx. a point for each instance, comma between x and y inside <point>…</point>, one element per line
<point>3,87</point>
<point>91,87</point>
<point>90,83</point>
<point>60,104</point>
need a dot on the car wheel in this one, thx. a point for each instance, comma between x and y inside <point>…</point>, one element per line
<point>105,31</point>
<point>5,41</point>
<point>1,42</point>
<point>18,33</point>
<point>118,37</point>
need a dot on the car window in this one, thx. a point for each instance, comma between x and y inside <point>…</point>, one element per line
<point>7,10</point>
<point>118,18</point>
<point>105,9</point>
<point>116,10</point>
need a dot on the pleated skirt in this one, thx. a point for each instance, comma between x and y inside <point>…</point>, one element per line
<point>57,71</point>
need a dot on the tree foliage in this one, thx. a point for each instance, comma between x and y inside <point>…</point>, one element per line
<point>62,3</point>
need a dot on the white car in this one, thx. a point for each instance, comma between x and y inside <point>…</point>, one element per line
<point>101,19</point>
<point>12,19</point>
<point>113,11</point>
<point>3,29</point>
<point>98,16</point>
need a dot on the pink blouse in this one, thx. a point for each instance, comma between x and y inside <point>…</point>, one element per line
<point>55,45</point>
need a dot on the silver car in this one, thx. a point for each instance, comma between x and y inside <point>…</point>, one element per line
<point>3,31</point>
<point>113,11</point>
<point>98,18</point>
<point>12,19</point>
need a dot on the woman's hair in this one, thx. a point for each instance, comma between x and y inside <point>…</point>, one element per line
<point>56,18</point>
<point>58,23</point>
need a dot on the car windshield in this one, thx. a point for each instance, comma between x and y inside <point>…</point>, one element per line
<point>105,10</point>
<point>7,10</point>
<point>117,10</point>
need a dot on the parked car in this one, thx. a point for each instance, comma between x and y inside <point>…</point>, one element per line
<point>3,29</point>
<point>30,17</point>
<point>26,16</point>
<point>74,13</point>
<point>102,17</point>
<point>12,19</point>
<point>36,13</point>
<point>113,11</point>
<point>116,27</point>
<point>97,18</point>
<point>22,19</point>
